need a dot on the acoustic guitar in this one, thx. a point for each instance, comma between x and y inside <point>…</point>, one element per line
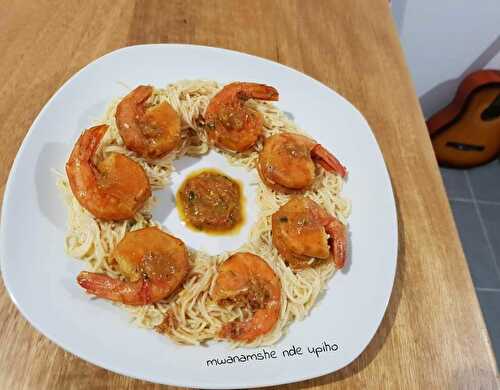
<point>466,133</point>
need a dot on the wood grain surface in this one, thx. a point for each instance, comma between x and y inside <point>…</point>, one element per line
<point>433,334</point>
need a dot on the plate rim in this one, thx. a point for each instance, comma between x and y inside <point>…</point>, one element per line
<point>166,381</point>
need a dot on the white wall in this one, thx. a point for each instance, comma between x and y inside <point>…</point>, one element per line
<point>444,40</point>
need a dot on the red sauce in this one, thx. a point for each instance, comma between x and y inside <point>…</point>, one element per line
<point>212,202</point>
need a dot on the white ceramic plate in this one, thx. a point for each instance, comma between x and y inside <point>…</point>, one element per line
<point>40,277</point>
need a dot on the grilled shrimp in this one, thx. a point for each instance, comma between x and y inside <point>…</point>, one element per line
<point>230,124</point>
<point>114,189</point>
<point>287,163</point>
<point>246,280</point>
<point>154,263</point>
<point>151,132</point>
<point>305,234</point>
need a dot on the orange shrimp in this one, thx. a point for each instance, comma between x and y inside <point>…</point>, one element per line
<point>114,189</point>
<point>246,280</point>
<point>287,162</point>
<point>151,132</point>
<point>306,235</point>
<point>232,125</point>
<point>154,263</point>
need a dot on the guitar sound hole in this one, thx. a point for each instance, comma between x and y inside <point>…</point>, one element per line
<point>465,147</point>
<point>493,110</point>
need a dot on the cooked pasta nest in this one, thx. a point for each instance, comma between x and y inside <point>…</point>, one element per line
<point>192,315</point>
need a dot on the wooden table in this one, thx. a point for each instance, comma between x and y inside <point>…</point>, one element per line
<point>433,334</point>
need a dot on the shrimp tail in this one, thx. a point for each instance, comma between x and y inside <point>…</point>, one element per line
<point>338,241</point>
<point>104,286</point>
<point>328,160</point>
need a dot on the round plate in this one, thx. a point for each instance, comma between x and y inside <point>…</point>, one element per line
<point>40,277</point>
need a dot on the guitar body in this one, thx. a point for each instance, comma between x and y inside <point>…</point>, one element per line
<point>467,132</point>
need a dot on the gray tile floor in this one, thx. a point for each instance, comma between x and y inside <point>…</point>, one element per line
<point>474,196</point>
